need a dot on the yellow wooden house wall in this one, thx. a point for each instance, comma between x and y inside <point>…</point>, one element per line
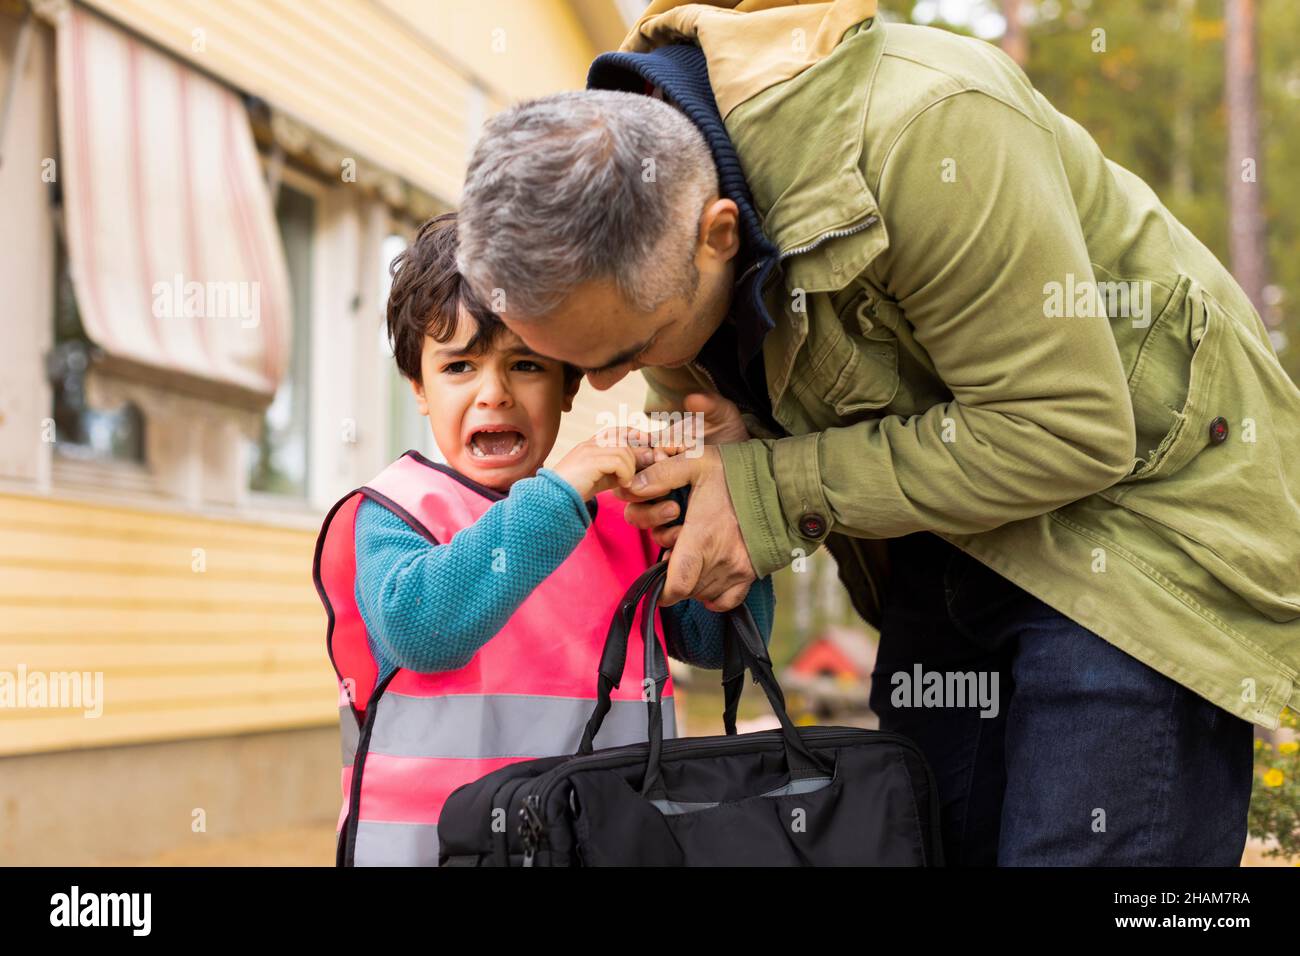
<point>236,646</point>
<point>403,83</point>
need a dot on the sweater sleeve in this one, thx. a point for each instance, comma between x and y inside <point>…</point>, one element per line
<point>694,634</point>
<point>430,607</point>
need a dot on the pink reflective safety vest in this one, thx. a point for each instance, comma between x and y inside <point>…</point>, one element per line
<point>410,740</point>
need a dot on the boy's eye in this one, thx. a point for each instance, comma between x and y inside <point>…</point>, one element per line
<point>454,367</point>
<point>531,365</point>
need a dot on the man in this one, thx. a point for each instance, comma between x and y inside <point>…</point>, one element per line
<point>1034,420</point>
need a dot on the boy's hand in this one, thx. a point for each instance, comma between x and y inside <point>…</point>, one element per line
<point>606,460</point>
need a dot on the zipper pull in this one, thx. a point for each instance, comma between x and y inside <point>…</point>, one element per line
<point>530,827</point>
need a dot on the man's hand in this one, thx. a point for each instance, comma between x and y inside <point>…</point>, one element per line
<point>708,560</point>
<point>722,421</point>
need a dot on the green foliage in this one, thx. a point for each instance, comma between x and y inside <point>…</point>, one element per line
<point>1275,802</point>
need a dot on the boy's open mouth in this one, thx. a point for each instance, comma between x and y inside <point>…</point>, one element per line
<point>499,442</point>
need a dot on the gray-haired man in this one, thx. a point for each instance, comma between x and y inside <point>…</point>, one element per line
<point>1100,507</point>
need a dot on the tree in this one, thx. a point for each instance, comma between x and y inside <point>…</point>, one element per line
<point>1248,253</point>
<point>1015,41</point>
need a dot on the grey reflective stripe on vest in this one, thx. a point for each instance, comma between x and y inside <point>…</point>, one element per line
<point>396,844</point>
<point>349,735</point>
<point>502,725</point>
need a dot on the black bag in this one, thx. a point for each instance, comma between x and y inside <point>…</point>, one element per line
<point>816,796</point>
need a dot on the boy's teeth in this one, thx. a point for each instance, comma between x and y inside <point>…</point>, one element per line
<point>484,444</point>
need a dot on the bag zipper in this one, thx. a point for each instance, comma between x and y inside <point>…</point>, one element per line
<point>530,827</point>
<point>534,799</point>
<point>501,841</point>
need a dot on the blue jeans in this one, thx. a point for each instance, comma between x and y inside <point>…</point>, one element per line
<point>1079,754</point>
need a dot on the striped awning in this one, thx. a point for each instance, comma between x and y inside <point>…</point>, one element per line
<point>172,240</point>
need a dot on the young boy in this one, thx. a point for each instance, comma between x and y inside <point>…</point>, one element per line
<point>468,602</point>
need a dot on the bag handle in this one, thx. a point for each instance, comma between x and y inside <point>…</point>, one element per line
<point>743,650</point>
<point>733,674</point>
<point>613,659</point>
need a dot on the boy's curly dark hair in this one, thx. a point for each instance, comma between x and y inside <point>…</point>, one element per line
<point>427,294</point>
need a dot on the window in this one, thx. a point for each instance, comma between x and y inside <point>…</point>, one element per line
<point>407,428</point>
<point>278,460</point>
<point>81,432</point>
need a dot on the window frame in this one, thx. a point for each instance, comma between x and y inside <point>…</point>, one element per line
<point>318,191</point>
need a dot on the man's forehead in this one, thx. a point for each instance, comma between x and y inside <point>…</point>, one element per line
<point>593,345</point>
<point>587,323</point>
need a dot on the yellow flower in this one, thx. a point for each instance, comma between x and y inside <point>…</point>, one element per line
<point>1288,747</point>
<point>1274,777</point>
<point>1258,743</point>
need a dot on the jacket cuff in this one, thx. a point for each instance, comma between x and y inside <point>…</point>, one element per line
<point>796,464</point>
<point>774,483</point>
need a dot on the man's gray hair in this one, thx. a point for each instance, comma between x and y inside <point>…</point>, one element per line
<point>581,186</point>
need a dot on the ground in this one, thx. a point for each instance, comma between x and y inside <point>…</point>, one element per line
<point>313,845</point>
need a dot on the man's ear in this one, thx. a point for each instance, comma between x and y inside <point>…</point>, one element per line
<point>570,390</point>
<point>720,230</point>
<point>420,401</point>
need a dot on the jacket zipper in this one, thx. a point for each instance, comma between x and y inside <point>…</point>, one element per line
<point>867,223</point>
<point>833,234</point>
<point>714,385</point>
<point>532,827</point>
<point>707,374</point>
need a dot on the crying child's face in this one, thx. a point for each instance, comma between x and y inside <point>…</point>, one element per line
<point>494,413</point>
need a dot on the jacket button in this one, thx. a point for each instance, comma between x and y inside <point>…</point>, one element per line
<point>1219,430</point>
<point>812,525</point>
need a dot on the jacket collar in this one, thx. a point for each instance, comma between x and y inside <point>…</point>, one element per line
<point>681,72</point>
<point>751,45</point>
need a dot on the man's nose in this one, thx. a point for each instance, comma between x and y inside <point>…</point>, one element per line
<point>601,381</point>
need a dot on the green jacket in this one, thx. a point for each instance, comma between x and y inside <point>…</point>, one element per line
<point>943,364</point>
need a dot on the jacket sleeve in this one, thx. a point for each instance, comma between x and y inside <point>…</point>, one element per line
<point>1040,414</point>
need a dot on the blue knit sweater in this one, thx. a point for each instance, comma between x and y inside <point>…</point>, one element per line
<point>430,607</point>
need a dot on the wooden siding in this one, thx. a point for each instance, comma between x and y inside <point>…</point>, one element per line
<point>237,647</point>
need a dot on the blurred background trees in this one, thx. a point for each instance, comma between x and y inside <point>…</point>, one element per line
<point>1212,125</point>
